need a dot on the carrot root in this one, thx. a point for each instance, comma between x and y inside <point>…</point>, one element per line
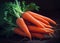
<point>20,22</point>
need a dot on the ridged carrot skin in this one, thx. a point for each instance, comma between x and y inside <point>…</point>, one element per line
<point>35,35</point>
<point>38,29</point>
<point>31,19</point>
<point>20,22</point>
<point>38,16</point>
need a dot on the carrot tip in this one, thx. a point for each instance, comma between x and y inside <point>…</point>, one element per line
<point>50,34</point>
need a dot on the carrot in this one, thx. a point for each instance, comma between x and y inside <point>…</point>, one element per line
<point>51,30</point>
<point>31,19</point>
<point>20,22</point>
<point>41,19</point>
<point>20,32</point>
<point>38,29</point>
<point>38,35</point>
<point>48,26</point>
<point>38,16</point>
<point>47,31</point>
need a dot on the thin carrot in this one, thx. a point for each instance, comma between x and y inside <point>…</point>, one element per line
<point>38,35</point>
<point>41,19</point>
<point>20,32</point>
<point>48,31</point>
<point>31,19</point>
<point>51,30</point>
<point>20,22</point>
<point>47,26</point>
<point>38,29</point>
<point>38,16</point>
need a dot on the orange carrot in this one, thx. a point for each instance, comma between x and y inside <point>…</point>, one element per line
<point>51,30</point>
<point>38,35</point>
<point>38,16</point>
<point>20,32</point>
<point>48,26</point>
<point>41,30</point>
<point>38,29</point>
<point>31,19</point>
<point>41,19</point>
<point>20,22</point>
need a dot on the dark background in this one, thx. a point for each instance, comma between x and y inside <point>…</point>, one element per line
<point>49,8</point>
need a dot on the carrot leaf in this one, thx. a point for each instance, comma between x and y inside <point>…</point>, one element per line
<point>10,11</point>
<point>32,6</point>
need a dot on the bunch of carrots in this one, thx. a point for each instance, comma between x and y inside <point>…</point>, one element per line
<point>41,25</point>
<point>31,24</point>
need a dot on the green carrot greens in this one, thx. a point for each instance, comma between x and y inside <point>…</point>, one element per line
<point>11,10</point>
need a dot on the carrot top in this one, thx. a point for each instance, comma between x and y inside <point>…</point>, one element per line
<point>13,10</point>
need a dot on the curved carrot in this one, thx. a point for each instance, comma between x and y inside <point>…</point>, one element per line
<point>20,32</point>
<point>31,19</point>
<point>51,30</point>
<point>47,26</point>
<point>38,16</point>
<point>38,29</point>
<point>20,22</point>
